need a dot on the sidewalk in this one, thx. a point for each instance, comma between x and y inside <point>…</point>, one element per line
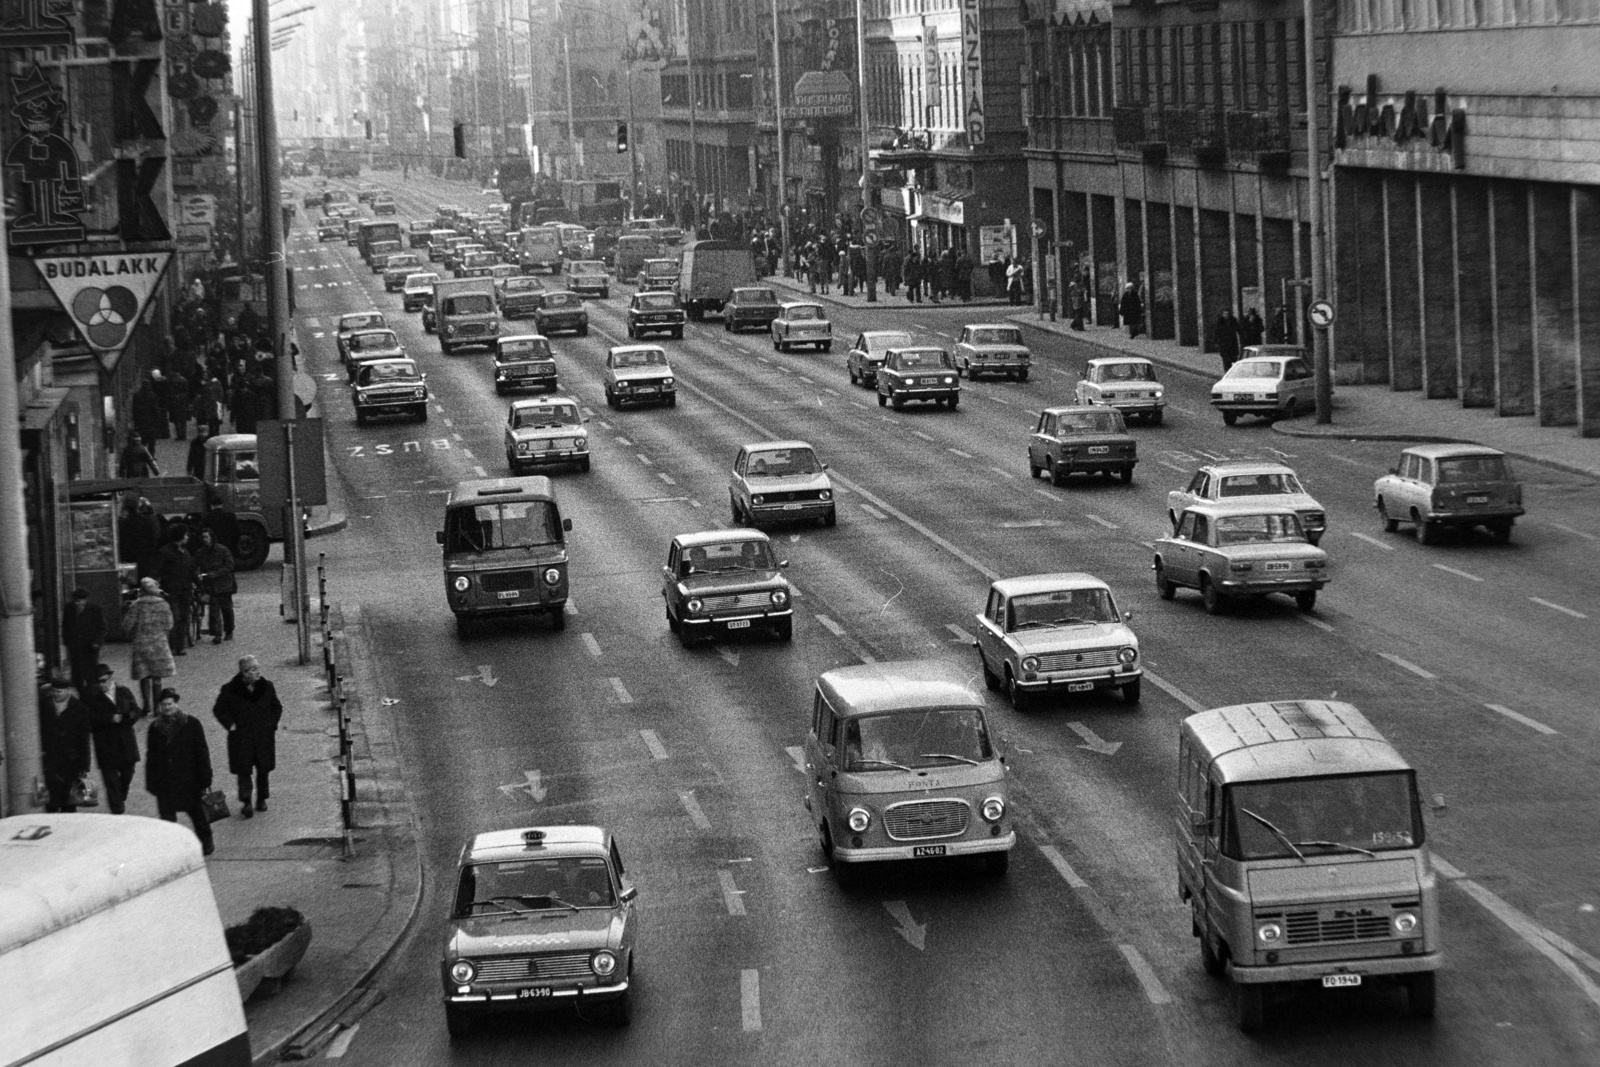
<point>885,302</point>
<point>1365,412</point>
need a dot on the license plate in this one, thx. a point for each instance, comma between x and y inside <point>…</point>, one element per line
<point>1477,500</point>
<point>924,851</point>
<point>509,594</point>
<point>792,507</point>
<point>1277,566</point>
<point>739,624</point>
<point>1099,450</point>
<point>647,389</point>
<point>532,994</point>
<point>1079,687</point>
<point>1337,981</point>
<point>1243,396</point>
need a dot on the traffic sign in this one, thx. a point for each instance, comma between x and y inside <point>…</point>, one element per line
<point>869,238</point>
<point>1038,229</point>
<point>869,216</point>
<point>1321,314</point>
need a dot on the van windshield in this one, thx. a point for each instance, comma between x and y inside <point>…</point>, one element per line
<point>512,524</point>
<point>469,304</point>
<point>937,737</point>
<point>1320,816</point>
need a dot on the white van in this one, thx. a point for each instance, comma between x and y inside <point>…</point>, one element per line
<point>111,948</point>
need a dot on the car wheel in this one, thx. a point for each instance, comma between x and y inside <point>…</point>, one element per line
<point>1229,418</point>
<point>990,679</point>
<point>1211,960</point>
<point>1390,525</point>
<point>882,400</point>
<point>1014,693</point>
<point>631,335</point>
<point>686,637</point>
<point>499,390</point>
<point>1056,474</point>
<point>1164,589</point>
<point>253,546</point>
<point>727,324</point>
<point>1307,600</point>
<point>827,346</point>
<point>583,331</point>
<point>1501,532</point>
<point>463,626</point>
<point>898,403</point>
<point>783,630</point>
<point>1211,596</point>
<point>1127,475</point>
<point>996,864</point>
<point>1420,993</point>
<point>677,334</point>
<point>605,294</point>
<point>611,399</point>
<point>1427,532</point>
<point>672,401</point>
<point>422,412</point>
<point>583,464</point>
<point>733,507</point>
<point>1034,470</point>
<point>1130,692</point>
<point>558,617</point>
<point>1155,419</point>
<point>457,1022</point>
<point>1022,375</point>
<point>831,518</point>
<point>954,402</point>
<point>855,379</point>
<point>1250,1007</point>
<point>361,417</point>
<point>617,1012</point>
<point>1315,538</point>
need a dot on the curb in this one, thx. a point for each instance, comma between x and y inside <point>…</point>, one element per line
<point>1088,339</point>
<point>798,288</point>
<point>1429,439</point>
<point>334,524</point>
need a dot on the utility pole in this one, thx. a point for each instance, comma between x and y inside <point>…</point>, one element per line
<point>566,59</point>
<point>694,140</point>
<point>871,248</point>
<point>1321,357</point>
<point>633,150</point>
<point>783,169</point>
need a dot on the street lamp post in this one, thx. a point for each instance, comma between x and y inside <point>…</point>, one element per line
<point>1321,358</point>
<point>566,59</point>
<point>783,169</point>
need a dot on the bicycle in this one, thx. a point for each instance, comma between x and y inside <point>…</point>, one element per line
<point>199,602</point>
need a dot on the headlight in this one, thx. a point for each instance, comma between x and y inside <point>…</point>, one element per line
<point>1159,391</point>
<point>523,448</point>
<point>826,494</point>
<point>1269,933</point>
<point>695,605</point>
<point>417,393</point>
<point>449,329</point>
<point>1128,655</point>
<point>666,381</point>
<point>949,381</point>
<point>859,819</point>
<point>603,962</point>
<point>993,809</point>
<point>780,597</point>
<point>552,576</point>
<point>757,498</point>
<point>462,972</point>
<point>1405,922</point>
<point>1030,663</point>
<point>462,583</point>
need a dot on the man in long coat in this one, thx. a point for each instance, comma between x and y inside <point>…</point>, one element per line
<point>177,769</point>
<point>83,631</point>
<point>64,742</point>
<point>248,708</point>
<point>113,709</point>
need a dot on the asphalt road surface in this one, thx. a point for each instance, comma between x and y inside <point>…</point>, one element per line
<point>1473,658</point>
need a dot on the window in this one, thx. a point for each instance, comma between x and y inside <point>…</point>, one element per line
<point>1270,484</point>
<point>1186,528</point>
<point>1202,530</point>
<point>783,463</point>
<point>1374,812</point>
<point>513,524</point>
<point>939,737</point>
<point>1197,484</point>
<point>1061,607</point>
<point>535,885</point>
<point>548,416</point>
<point>1455,470</point>
<point>1258,529</point>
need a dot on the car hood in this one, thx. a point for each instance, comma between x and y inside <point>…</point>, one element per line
<point>1067,638</point>
<point>1246,385</point>
<point>789,483</point>
<point>941,780</point>
<point>1333,878</point>
<point>734,582</point>
<point>546,433</point>
<point>626,374</point>
<point>546,931</point>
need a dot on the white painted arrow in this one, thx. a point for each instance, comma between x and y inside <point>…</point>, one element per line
<point>486,675</point>
<point>730,655</point>
<point>532,786</point>
<point>1093,741</point>
<point>915,933</point>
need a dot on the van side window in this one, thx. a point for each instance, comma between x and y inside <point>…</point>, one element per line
<point>1213,810</point>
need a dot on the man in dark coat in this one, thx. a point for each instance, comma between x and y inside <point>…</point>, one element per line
<point>83,631</point>
<point>135,460</point>
<point>1131,308</point>
<point>149,413</point>
<point>175,574</point>
<point>1227,338</point>
<point>113,709</point>
<point>63,741</point>
<point>246,405</point>
<point>222,523</point>
<point>248,708</point>
<point>963,276</point>
<point>912,270</point>
<point>1251,329</point>
<point>214,567</point>
<point>177,768</point>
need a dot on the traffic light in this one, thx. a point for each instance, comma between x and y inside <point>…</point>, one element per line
<point>460,132</point>
<point>622,137</point>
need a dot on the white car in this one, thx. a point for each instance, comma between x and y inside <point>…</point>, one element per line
<point>1126,383</point>
<point>801,322</point>
<point>780,481</point>
<point>417,292</point>
<point>1056,633</point>
<point>1273,381</point>
<point>994,349</point>
<point>1250,482</point>
<point>639,374</point>
<point>546,431</point>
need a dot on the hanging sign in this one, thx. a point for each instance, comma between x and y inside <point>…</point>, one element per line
<point>104,295</point>
<point>972,70</point>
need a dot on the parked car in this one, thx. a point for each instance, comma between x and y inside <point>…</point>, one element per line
<point>1087,438</point>
<point>924,373</point>
<point>1456,486</point>
<point>524,361</point>
<point>1127,383</point>
<point>719,581</point>
<point>546,431</point>
<point>780,481</point>
<point>657,274</point>
<point>639,374</point>
<point>397,267</point>
<point>518,296</point>
<point>350,322</point>
<point>802,322</point>
<point>389,387</point>
<point>1050,633</point>
<point>868,351</point>
<point>1236,550</point>
<point>1250,482</point>
<point>586,277</point>
<point>561,311</point>
<point>655,311</point>
<point>417,292</point>
<point>1273,381</point>
<point>750,306</point>
<point>994,349</point>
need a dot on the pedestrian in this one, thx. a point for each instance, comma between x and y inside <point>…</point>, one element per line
<point>1075,304</point>
<point>248,708</point>
<point>858,265</point>
<point>148,624</point>
<point>149,415</point>
<point>1226,336</point>
<point>139,534</point>
<point>176,396</point>
<point>83,631</point>
<point>1131,308</point>
<point>1251,329</point>
<point>175,575</point>
<point>177,769</point>
<point>197,452</point>
<point>891,262</point>
<point>1013,281</point>
<point>214,568</point>
<point>113,709</point>
<point>963,277</point>
<point>947,275</point>
<point>64,743</point>
<point>136,460</point>
<point>245,405</point>
<point>203,408</point>
<point>222,523</point>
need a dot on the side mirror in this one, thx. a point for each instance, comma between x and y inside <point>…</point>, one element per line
<point>628,893</point>
<point>586,418</point>
<point>438,535</point>
<point>1394,470</point>
<point>783,563</point>
<point>1198,821</point>
<point>824,466</point>
<point>1127,616</point>
<point>566,525</point>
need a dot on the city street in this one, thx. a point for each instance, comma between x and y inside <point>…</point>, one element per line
<point>1472,657</point>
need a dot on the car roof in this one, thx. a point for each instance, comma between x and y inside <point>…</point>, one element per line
<point>875,334</point>
<point>1062,409</point>
<point>369,330</point>
<point>521,337</point>
<point>773,446</point>
<point>1102,360</point>
<point>1290,739</point>
<point>1247,466</point>
<point>1274,352</point>
<point>719,537</point>
<point>920,348</point>
<point>1045,583</point>
<point>1448,450</point>
<point>803,304</point>
<point>756,289</point>
<point>560,292</point>
<point>540,402</point>
<point>388,360</point>
<point>896,686</point>
<point>478,490</point>
<point>362,314</point>
<point>635,348</point>
<point>509,844</point>
<point>427,277</point>
<point>991,326</point>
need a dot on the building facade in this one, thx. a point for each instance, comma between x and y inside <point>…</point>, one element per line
<point>707,105</point>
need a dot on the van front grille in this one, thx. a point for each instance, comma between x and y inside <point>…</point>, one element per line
<point>1334,925</point>
<point>498,581</point>
<point>918,820</point>
<point>1077,661</point>
<point>516,968</point>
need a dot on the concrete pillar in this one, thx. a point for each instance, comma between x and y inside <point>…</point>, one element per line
<point>1475,361</point>
<point>1436,282</point>
<point>1513,313</point>
<point>1218,291</point>
<point>1586,312</point>
<point>1163,294</point>
<point>1555,365</point>
<point>1404,342</point>
<point>1191,325</point>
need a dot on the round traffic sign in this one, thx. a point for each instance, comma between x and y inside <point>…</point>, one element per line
<point>1038,229</point>
<point>869,216</point>
<point>870,237</point>
<point>1321,314</point>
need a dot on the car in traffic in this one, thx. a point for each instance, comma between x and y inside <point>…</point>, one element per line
<point>518,296</point>
<point>750,307</point>
<point>924,373</point>
<point>657,274</point>
<point>419,233</point>
<point>1127,383</point>
<point>780,481</point>
<point>720,581</point>
<point>389,387</point>
<point>1436,487</point>
<point>329,228</point>
<point>311,199</point>
<point>417,291</point>
<point>868,352</point>
<point>541,918</point>
<point>993,349</point>
<point>560,311</point>
<point>1081,438</point>
<point>383,204</point>
<point>366,192</point>
<point>505,551</point>
<point>546,431</point>
<point>524,361</point>
<point>439,244</point>
<point>1272,381</point>
<point>1229,551</point>
<point>1250,482</point>
<point>350,322</point>
<point>639,374</point>
<point>655,311</point>
<point>363,346</point>
<point>586,277</point>
<point>1056,633</point>
<point>802,322</point>
<point>464,314</point>
<point>395,268</point>
<point>476,264</point>
<point>352,229</point>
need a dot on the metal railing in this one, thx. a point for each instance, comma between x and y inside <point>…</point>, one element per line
<point>330,668</point>
<point>1209,136</point>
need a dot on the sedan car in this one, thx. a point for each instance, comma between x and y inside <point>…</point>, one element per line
<point>518,296</point>
<point>655,311</point>
<point>311,199</point>
<point>802,322</point>
<point>366,192</point>
<point>1235,550</point>
<point>918,374</point>
<point>540,918</point>
<point>396,267</point>
<point>417,292</point>
<point>1090,438</point>
<point>363,346</point>
<point>1050,633</point>
<point>476,264</point>
<point>587,277</point>
<point>995,349</point>
<point>383,204</point>
<point>419,232</point>
<point>561,311</point>
<point>750,306</point>
<point>868,351</point>
<point>523,361</point>
<point>1449,485</point>
<point>1127,383</point>
<point>658,274</point>
<point>720,581</point>
<point>389,387</point>
<point>546,432</point>
<point>1273,381</point>
<point>1250,482</point>
<point>329,229</point>
<point>780,481</point>
<point>639,374</point>
<point>350,322</point>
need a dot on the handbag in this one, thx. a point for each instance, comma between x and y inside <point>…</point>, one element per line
<point>215,804</point>
<point>84,793</point>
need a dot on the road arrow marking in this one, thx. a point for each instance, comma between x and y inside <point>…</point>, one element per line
<point>797,754</point>
<point>960,634</point>
<point>730,655</point>
<point>1093,741</point>
<point>532,786</point>
<point>915,933</point>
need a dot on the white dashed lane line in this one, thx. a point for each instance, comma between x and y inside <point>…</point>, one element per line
<point>732,895</point>
<point>480,472</point>
<point>1517,716</point>
<point>1063,868</point>
<point>829,625</point>
<point>646,460</point>
<point>1557,607</point>
<point>1107,523</point>
<point>919,435</point>
<point>874,512</point>
<point>653,743</point>
<point>960,634</point>
<point>590,644</point>
<point>1318,623</point>
<point>750,1000</point>
<point>1371,540</point>
<point>958,452</point>
<point>1577,533</point>
<point>1457,573</point>
<point>620,691</point>
<point>692,806</point>
<point>1002,472</point>
<point>1407,665</point>
<point>665,477</point>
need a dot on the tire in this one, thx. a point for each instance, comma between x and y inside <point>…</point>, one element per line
<point>463,626</point>
<point>1022,375</point>
<point>1420,991</point>
<point>1306,601</point>
<point>583,331</point>
<point>1131,692</point>
<point>618,1012</point>
<point>1164,589</point>
<point>996,864</point>
<point>1427,533</point>
<point>1229,418</point>
<point>1127,475</point>
<point>1055,474</point>
<point>253,546</point>
<point>1389,525</point>
<point>1019,699</point>
<point>361,417</point>
<point>1501,532</point>
<point>990,679</point>
<point>855,379</point>
<point>1214,600</point>
<point>1250,1007</point>
<point>677,334</point>
<point>686,637</point>
<point>446,349</point>
<point>831,518</point>
<point>955,402</point>
<point>1155,419</point>
<point>457,1022</point>
<point>727,324</point>
<point>883,401</point>
<point>783,630</point>
<point>672,401</point>
<point>898,403</point>
<point>1034,470</point>
<point>827,346</point>
<point>1211,961</point>
<point>631,335</point>
<point>605,294</point>
<point>733,508</point>
<point>558,617</point>
<point>672,621</point>
<point>422,412</point>
<point>611,399</point>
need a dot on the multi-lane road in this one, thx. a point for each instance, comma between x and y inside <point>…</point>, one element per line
<point>1477,660</point>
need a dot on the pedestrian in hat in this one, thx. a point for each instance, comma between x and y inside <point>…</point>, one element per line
<point>83,631</point>
<point>113,709</point>
<point>177,769</point>
<point>63,742</point>
<point>148,624</point>
<point>249,709</point>
<point>136,460</point>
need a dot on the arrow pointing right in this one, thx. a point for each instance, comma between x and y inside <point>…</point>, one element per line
<point>915,933</point>
<point>1093,741</point>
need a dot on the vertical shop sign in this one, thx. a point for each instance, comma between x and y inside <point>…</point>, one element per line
<point>972,69</point>
<point>49,178</point>
<point>930,64</point>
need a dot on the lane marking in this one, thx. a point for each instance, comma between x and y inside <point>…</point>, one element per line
<point>341,1044</point>
<point>1407,665</point>
<point>1173,466</point>
<point>623,441</point>
<point>1371,540</point>
<point>798,755</point>
<point>1514,716</point>
<point>750,1000</point>
<point>458,437</point>
<point>1047,494</point>
<point>1153,989</point>
<point>1173,691</point>
<point>829,625</point>
<point>1557,607</point>
<point>1459,574</point>
<point>1107,523</point>
<point>961,635</point>
<point>1318,623</point>
<point>692,806</point>
<point>646,460</point>
<point>653,743</point>
<point>732,895</point>
<point>874,512</point>
<point>664,476</point>
<point>958,452</point>
<point>1580,533</point>
<point>1063,868</point>
<point>623,696</point>
<point>1002,472</point>
<point>1180,408</point>
<point>591,644</point>
<point>921,436</point>
<point>480,472</point>
<point>803,378</point>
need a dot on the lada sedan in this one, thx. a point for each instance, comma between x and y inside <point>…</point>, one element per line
<point>417,292</point>
<point>419,233</point>
<point>540,918</point>
<point>868,352</point>
<point>350,322</point>
<point>329,229</point>
<point>1126,383</point>
<point>994,349</point>
<point>523,361</point>
<point>639,374</point>
<point>366,192</point>
<point>546,432</point>
<point>389,387</point>
<point>587,277</point>
<point>1228,551</point>
<point>801,322</point>
<point>720,581</point>
<point>1250,482</point>
<point>1051,633</point>
<point>561,312</point>
<point>750,307</point>
<point>908,374</point>
<point>1273,381</point>
<point>780,481</point>
<point>395,269</point>
<point>383,204</point>
<point>518,296</point>
<point>364,346</point>
<point>1086,438</point>
<point>655,311</point>
<point>1449,485</point>
<point>658,274</point>
<point>476,264</point>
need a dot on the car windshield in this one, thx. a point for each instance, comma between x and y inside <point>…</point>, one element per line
<point>783,463</point>
<point>544,883</point>
<point>544,415</point>
<point>1455,470</point>
<point>367,342</point>
<point>469,304</point>
<point>358,322</point>
<point>661,267</point>
<point>388,371</point>
<point>805,312</point>
<point>524,348</point>
<point>1271,484</point>
<point>724,556</point>
<point>926,357</point>
<point>1256,368</point>
<point>880,342</point>
<point>512,524</point>
<point>934,737</point>
<point>402,261</point>
<point>419,281</point>
<point>1072,422</point>
<point>1258,529</point>
<point>755,296</point>
<point>480,259</point>
<point>1347,813</point>
<point>996,335</point>
<point>1125,372</point>
<point>587,266</point>
<point>657,300</point>
<point>1060,607</point>
<point>647,357</point>
<point>522,285</point>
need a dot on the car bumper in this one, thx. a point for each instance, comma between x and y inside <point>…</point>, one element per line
<point>657,326</point>
<point>997,366</point>
<point>640,396</point>
<point>1142,406</point>
<point>791,509</point>
<point>753,620</point>
<point>378,407</point>
<point>1474,517</point>
<point>1259,587</point>
<point>474,603</point>
<point>590,289</point>
<point>1310,972</point>
<point>550,326</point>
<point>531,996</point>
<point>1248,407</point>
<point>563,458</point>
<point>883,853</point>
<point>1075,682</point>
<point>511,309</point>
<point>921,392</point>
<point>760,322</point>
<point>415,304</point>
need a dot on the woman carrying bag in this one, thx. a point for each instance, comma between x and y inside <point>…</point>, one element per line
<point>148,624</point>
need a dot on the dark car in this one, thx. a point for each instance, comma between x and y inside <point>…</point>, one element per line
<point>750,307</point>
<point>561,311</point>
<point>1091,438</point>
<point>655,312</point>
<point>518,296</point>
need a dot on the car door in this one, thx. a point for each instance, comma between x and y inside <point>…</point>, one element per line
<point>669,577</point>
<point>736,482</point>
<point>1407,493</point>
<point>1043,440</point>
<point>822,746</point>
<point>1299,383</point>
<point>991,632</point>
<point>1182,558</point>
<point>1198,489</point>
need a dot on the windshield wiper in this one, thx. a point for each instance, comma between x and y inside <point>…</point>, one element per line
<point>1336,844</point>
<point>1279,834</point>
<point>947,755</point>
<point>884,763</point>
<point>500,902</point>
<point>1030,625</point>
<point>558,901</point>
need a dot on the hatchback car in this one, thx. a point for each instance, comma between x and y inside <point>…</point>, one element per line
<point>868,352</point>
<point>350,322</point>
<point>750,307</point>
<point>994,349</point>
<point>417,292</point>
<point>546,432</point>
<point>908,374</point>
<point>523,361</point>
<point>1235,550</point>
<point>1457,486</point>
<point>802,322</point>
<point>587,277</point>
<point>1050,633</point>
<point>518,296</point>
<point>1126,383</point>
<point>719,581</point>
<point>780,481</point>
<point>395,269</point>
<point>1273,381</point>
<point>639,374</point>
<point>1250,482</point>
<point>1081,438</point>
<point>389,387</point>
<point>658,274</point>
<point>540,918</point>
<point>655,311</point>
<point>561,312</point>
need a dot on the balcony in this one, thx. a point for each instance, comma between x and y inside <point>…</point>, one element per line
<point>1207,138</point>
<point>1072,133</point>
